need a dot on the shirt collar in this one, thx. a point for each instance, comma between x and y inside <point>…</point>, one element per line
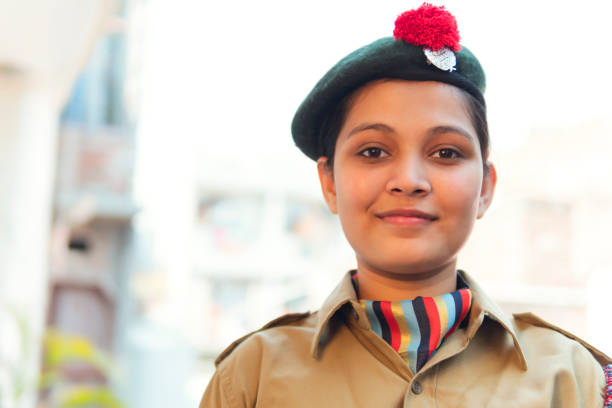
<point>483,306</point>
<point>344,294</point>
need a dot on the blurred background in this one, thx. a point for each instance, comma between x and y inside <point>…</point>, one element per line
<point>153,207</point>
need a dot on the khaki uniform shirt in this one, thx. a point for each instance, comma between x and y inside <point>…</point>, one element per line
<point>331,358</point>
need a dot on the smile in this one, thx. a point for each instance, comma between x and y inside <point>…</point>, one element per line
<point>406,217</point>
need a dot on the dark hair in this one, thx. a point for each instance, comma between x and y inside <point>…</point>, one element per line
<point>332,124</point>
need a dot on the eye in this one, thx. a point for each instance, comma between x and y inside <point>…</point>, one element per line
<point>373,153</point>
<point>447,153</point>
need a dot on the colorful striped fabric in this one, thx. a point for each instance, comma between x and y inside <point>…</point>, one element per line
<point>608,387</point>
<point>416,328</point>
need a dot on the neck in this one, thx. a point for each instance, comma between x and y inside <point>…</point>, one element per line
<point>376,284</point>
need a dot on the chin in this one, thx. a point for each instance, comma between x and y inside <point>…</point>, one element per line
<point>405,266</point>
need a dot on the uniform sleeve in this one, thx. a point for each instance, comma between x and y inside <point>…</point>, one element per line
<point>236,380</point>
<point>218,393</point>
<point>608,386</point>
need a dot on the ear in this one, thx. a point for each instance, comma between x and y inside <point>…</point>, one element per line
<point>328,187</point>
<point>489,180</point>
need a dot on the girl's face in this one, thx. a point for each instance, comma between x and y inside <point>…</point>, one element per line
<point>408,181</point>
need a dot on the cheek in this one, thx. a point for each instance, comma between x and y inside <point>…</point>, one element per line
<point>460,192</point>
<point>357,189</point>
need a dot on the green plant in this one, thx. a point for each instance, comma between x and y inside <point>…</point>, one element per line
<point>62,351</point>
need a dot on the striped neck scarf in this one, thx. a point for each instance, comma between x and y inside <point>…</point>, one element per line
<point>416,328</point>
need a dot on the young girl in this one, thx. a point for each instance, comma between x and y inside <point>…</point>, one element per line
<point>398,129</point>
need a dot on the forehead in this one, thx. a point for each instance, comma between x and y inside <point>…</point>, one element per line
<point>408,104</point>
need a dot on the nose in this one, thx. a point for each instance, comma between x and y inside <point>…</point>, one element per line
<point>409,176</point>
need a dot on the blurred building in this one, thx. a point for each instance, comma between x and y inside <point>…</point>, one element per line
<point>45,44</point>
<point>93,207</point>
<point>260,251</point>
<point>543,247</point>
<point>93,204</point>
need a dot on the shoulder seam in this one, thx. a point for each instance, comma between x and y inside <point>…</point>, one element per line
<point>532,319</point>
<point>282,320</point>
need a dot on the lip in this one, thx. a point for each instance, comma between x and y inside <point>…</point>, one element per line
<point>406,217</point>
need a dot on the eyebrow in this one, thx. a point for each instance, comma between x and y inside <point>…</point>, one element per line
<point>374,126</point>
<point>437,130</point>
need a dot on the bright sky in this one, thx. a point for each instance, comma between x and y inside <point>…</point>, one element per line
<point>225,78</point>
<point>241,68</point>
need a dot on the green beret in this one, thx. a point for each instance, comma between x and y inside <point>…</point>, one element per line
<point>387,57</point>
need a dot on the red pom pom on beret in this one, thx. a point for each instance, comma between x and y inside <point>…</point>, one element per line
<point>430,26</point>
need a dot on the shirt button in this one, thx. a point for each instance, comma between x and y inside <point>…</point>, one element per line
<point>416,387</point>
